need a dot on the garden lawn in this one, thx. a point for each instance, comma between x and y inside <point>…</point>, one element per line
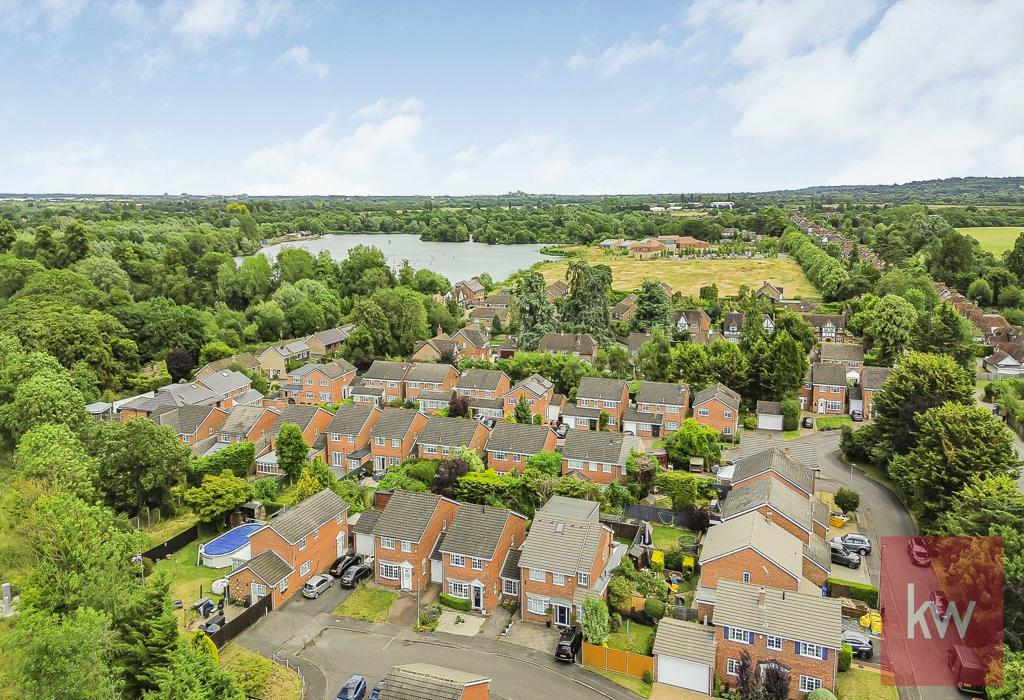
<point>994,239</point>
<point>367,603</point>
<point>187,577</point>
<point>166,529</point>
<point>638,640</point>
<point>281,683</point>
<point>666,536</point>
<point>688,276</point>
<point>631,683</point>
<point>864,684</point>
<point>833,422</point>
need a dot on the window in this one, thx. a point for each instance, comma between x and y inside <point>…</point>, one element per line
<point>558,579</point>
<point>259,590</point>
<point>339,518</point>
<point>501,455</point>
<point>671,425</point>
<point>583,578</point>
<point>703,412</point>
<point>335,437</point>
<point>283,587</point>
<point>645,407</point>
<point>389,571</point>
<point>406,546</point>
<point>324,397</point>
<point>738,635</point>
<point>323,382</point>
<point>511,401</point>
<point>387,542</point>
<point>309,395</point>
<point>774,642</point>
<point>309,381</point>
<point>811,650</point>
<point>393,461</point>
<point>379,442</point>
<point>510,586</point>
<point>336,459</point>
<point>517,457</point>
<point>478,564</point>
<point>302,544</point>
<point>306,566</point>
<point>414,385</point>
<point>606,468</point>
<point>537,575</point>
<point>834,389</point>
<point>396,443</point>
<point>457,589</point>
<point>537,606</point>
<point>575,464</point>
<point>610,404</point>
<point>185,438</point>
<point>456,559</point>
<point>832,405</point>
<point>732,667</point>
<point>746,577</point>
<point>430,449</point>
<point>727,431</point>
<point>808,386</point>
<point>728,414</point>
<point>809,683</point>
<point>592,466</point>
<point>392,384</point>
<point>445,451</point>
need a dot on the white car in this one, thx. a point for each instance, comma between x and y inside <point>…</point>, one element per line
<point>317,585</point>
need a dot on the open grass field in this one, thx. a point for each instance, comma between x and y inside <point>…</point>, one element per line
<point>994,239</point>
<point>864,684</point>
<point>367,603</point>
<point>688,276</point>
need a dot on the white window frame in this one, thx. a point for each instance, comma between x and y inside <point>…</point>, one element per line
<point>557,579</point>
<point>478,564</point>
<point>306,566</point>
<point>773,642</point>
<point>501,455</point>
<point>575,464</point>
<point>805,646</point>
<point>387,542</point>
<point>260,589</point>
<point>732,667</point>
<point>406,546</point>
<point>703,412</point>
<point>283,587</point>
<point>456,559</point>
<point>378,441</point>
<point>335,437</point>
<point>746,577</point>
<point>458,589</point>
<point>809,683</point>
<point>510,587</point>
<point>727,431</point>
<point>396,443</point>
<point>538,575</point>
<point>737,634</point>
<point>387,568</point>
<point>727,414</point>
<point>430,449</point>
<point>302,544</point>
<point>583,578</point>
<point>536,606</point>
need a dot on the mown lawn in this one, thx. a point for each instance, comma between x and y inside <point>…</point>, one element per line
<point>688,276</point>
<point>188,579</point>
<point>666,536</point>
<point>864,684</point>
<point>636,641</point>
<point>631,683</point>
<point>994,239</point>
<point>260,676</point>
<point>367,603</point>
<point>833,422</point>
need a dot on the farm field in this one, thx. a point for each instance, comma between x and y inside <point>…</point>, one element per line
<point>994,239</point>
<point>688,276</point>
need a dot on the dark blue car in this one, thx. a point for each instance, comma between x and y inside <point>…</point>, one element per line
<point>377,689</point>
<point>354,689</point>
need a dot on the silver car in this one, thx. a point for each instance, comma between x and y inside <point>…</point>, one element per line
<point>317,585</point>
<point>856,542</point>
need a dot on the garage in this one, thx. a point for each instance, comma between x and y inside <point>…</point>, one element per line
<point>684,655</point>
<point>769,415</point>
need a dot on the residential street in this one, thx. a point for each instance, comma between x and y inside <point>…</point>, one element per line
<point>329,650</point>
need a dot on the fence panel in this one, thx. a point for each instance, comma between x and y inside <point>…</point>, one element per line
<point>173,545</point>
<point>660,516</point>
<point>617,660</point>
<point>247,619</point>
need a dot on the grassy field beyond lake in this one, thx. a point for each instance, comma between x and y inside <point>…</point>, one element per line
<point>688,276</point>
<point>994,239</point>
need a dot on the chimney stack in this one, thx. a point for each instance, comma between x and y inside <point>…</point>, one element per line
<point>768,516</point>
<point>762,598</point>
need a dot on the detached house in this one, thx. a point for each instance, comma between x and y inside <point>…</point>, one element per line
<point>568,555</point>
<point>718,407</point>
<point>824,389</point>
<point>274,360</point>
<point>312,422</point>
<point>769,291</point>
<point>393,436</point>
<point>300,542</point>
<point>233,386</point>
<point>422,377</point>
<point>511,444</point>
<point>581,345</point>
<point>774,464</point>
<point>467,291</point>
<point>406,534</point>
<point>594,397</point>
<point>483,317</point>
<point>799,516</point>
<point>419,681</point>
<point>732,325</point>
<point>538,392</point>
<point>598,457</point>
<point>473,550</point>
<point>871,382</point>
<point>316,384</point>
<point>483,384</point>
<point>245,359</point>
<point>328,341</point>
<point>661,408</point>
<point>625,309</point>
<point>828,328</point>
<point>191,424</point>
<point>556,290</point>
<point>802,633</point>
<point>691,321</point>
<point>387,376</point>
<point>442,436</point>
<point>467,343</point>
<point>647,249</point>
<point>247,424</point>
<point>846,355</point>
<point>348,436</point>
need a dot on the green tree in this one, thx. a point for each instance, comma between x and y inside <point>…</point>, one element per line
<point>620,593</point>
<point>75,243</point>
<point>789,365</point>
<point>691,364</point>
<point>985,501</point>
<point>546,462</point>
<point>47,397</point>
<point>7,235</point>
<point>1014,258</point>
<point>693,440</point>
<point>585,308</point>
<point>522,412</point>
<point>213,351</point>
<point>139,463</point>
<point>892,328</point>
<point>641,468</point>
<point>595,620</point>
<point>218,495</point>
<point>194,674</point>
<point>790,408</point>
<point>294,264</point>
<point>315,478</point>
<point>980,292</point>
<point>1012,687</point>
<point>726,363</point>
<point>535,313</point>
<point>654,359</point>
<point>681,487</point>
<point>943,331</point>
<point>652,308</point>
<point>146,635</point>
<point>847,500</point>
<point>291,449</point>
<point>54,453</point>
<point>955,442</point>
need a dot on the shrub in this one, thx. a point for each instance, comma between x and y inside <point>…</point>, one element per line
<point>620,593</point>
<point>857,591</point>
<point>654,608</point>
<point>674,558</point>
<point>657,560</point>
<point>252,671</point>
<point>699,517</point>
<point>845,657</point>
<point>847,500</point>
<point>615,622</point>
<point>821,694</point>
<point>750,422</point>
<point>595,620</point>
<point>707,489</point>
<point>461,604</point>
<point>790,408</point>
<point>265,489</point>
<point>648,677</point>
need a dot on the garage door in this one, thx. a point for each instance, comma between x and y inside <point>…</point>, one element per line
<point>684,674</point>
<point>767,422</point>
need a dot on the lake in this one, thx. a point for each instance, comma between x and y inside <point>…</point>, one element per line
<point>456,261</point>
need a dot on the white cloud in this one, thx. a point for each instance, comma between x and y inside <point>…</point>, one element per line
<point>17,16</point>
<point>922,89</point>
<point>300,58</point>
<point>381,155</point>
<point>199,21</point>
<point>386,107</point>
<point>621,55</point>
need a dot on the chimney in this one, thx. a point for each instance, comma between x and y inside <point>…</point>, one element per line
<point>768,516</point>
<point>762,598</point>
<point>381,498</point>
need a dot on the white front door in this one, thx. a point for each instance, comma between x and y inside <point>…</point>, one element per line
<point>406,576</point>
<point>821,405</point>
<point>342,543</point>
<point>562,615</point>
<point>257,591</point>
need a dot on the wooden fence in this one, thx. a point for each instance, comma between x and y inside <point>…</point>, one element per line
<point>616,660</point>
<point>173,545</point>
<point>253,614</point>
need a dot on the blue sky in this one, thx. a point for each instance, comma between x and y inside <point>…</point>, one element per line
<point>291,97</point>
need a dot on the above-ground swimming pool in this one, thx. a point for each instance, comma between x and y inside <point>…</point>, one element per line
<point>233,545</point>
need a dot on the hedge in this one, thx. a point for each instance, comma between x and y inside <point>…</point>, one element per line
<point>461,604</point>
<point>857,591</point>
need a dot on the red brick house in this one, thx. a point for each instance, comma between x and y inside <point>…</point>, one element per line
<point>348,436</point>
<point>429,681</point>
<point>849,356</point>
<point>405,536</point>
<point>537,391</point>
<point>691,321</point>
<point>231,385</point>
<point>316,384</point>
<point>511,444</point>
<point>483,384</point>
<point>422,376</point>
<point>801,517</point>
<point>871,381</point>
<point>312,422</point>
<point>393,436</point>
<point>828,328</point>
<point>668,401</point>
<point>774,464</point>
<point>718,407</point>
<point>581,345</point>
<point>191,424</point>
<point>594,397</point>
<point>386,376</point>
<point>441,437</point>
<point>597,456</point>
<point>824,390</point>
<point>297,544</point>
<point>247,424</point>
<point>467,291</point>
<point>473,550</point>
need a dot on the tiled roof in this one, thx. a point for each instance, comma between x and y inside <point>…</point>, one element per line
<point>666,393</point>
<point>722,393</point>
<point>561,544</point>
<point>428,372</point>
<point>597,446</point>
<point>476,530</point>
<point>298,414</point>
<point>422,681</point>
<point>685,640</point>
<point>635,340</point>
<point>246,359</point>
<point>298,521</point>
<point>518,437</point>
<point>510,569</point>
<point>535,384</point>
<point>827,375</point>
<point>185,420</point>
<point>366,522</point>
<point>269,566</point>
<point>332,370</point>
<point>407,515</point>
<point>473,337</point>
<point>634,416</point>
<point>333,336</point>
<point>450,432</point>
<point>241,419</point>
<point>775,460</point>
<point>778,497</point>
<point>394,423</point>
<point>768,408</point>
<point>601,389</point>
<point>480,379</point>
<point>818,552</point>
<point>753,531</point>
<point>225,381</point>
<point>872,378</point>
<point>350,418</point>
<point>797,616</point>
<point>842,352</point>
<point>386,370</point>
<point>582,343</point>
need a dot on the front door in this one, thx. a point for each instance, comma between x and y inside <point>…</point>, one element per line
<point>406,576</point>
<point>380,465</point>
<point>478,597</point>
<point>821,405</point>
<point>656,431</point>
<point>342,543</point>
<point>562,615</point>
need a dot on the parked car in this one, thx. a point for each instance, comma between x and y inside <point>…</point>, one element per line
<point>355,574</point>
<point>855,542</point>
<point>562,430</point>
<point>860,643</point>
<point>939,603</point>
<point>569,644</point>
<point>807,422</point>
<point>919,555</point>
<point>856,416</point>
<point>967,670</point>
<point>341,564</point>
<point>317,585</point>
<point>377,690</point>
<point>354,689</point>
<point>841,555</point>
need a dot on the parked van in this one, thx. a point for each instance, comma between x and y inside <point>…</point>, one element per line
<point>967,670</point>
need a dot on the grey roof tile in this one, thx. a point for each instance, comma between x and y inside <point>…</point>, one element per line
<point>268,565</point>
<point>422,681</point>
<point>779,462</point>
<point>407,515</point>
<point>449,432</point>
<point>476,530</point>
<point>298,521</point>
<point>386,370</point>
<point>685,640</point>
<point>242,419</point>
<point>225,381</point>
<point>596,446</point>
<point>394,423</point>
<point>298,414</point>
<point>366,522</point>
<point>429,372</point>
<point>842,352</point>
<point>829,375</point>
<point>664,393</point>
<point>787,614</point>
<point>349,419</point>
<point>601,389</point>
<point>872,378</point>
<point>480,379</point>
<point>721,392</point>
<point>768,492</point>
<point>518,438</point>
<point>510,567</point>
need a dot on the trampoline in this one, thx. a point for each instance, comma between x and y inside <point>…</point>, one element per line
<point>232,546</point>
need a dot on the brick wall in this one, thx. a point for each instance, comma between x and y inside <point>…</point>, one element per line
<point>719,416</point>
<point>787,656</point>
<point>490,575</point>
<point>763,571</point>
<point>419,557</point>
<point>822,391</point>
